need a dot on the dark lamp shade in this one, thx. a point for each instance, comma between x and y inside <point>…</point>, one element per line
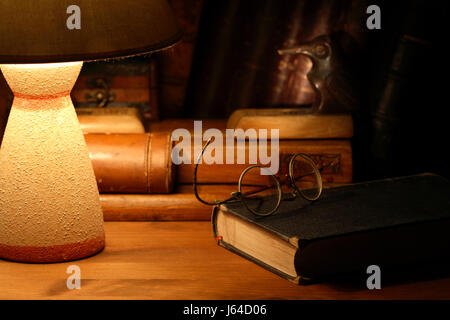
<point>35,31</point>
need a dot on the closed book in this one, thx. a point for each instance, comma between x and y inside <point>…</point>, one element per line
<point>333,157</point>
<point>132,163</point>
<point>175,62</point>
<point>169,125</point>
<point>390,222</point>
<point>181,205</point>
<point>293,123</point>
<point>110,120</point>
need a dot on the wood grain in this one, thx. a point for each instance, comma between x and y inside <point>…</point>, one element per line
<point>180,260</point>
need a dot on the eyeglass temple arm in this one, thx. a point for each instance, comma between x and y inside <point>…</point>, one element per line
<point>199,158</point>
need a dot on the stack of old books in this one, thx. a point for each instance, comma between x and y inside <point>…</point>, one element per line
<point>138,180</point>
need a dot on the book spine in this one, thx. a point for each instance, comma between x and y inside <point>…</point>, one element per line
<point>110,120</point>
<point>132,163</point>
<point>175,63</point>
<point>178,206</point>
<point>392,129</point>
<point>292,124</point>
<point>153,207</point>
<point>334,156</point>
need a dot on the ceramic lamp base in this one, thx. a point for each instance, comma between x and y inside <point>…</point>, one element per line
<point>50,209</point>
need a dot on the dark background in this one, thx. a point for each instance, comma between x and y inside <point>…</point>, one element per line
<point>401,123</point>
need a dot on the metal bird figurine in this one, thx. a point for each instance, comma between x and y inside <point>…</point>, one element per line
<point>330,75</point>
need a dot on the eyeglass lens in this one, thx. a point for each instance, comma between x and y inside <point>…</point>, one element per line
<point>306,176</point>
<point>259,192</point>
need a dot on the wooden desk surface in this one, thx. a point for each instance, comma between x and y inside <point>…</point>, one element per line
<point>180,260</point>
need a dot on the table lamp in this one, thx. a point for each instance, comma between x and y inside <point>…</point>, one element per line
<point>49,203</point>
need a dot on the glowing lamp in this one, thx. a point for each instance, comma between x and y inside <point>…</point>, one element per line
<point>49,203</point>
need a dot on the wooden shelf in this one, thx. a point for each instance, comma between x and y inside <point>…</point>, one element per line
<point>180,260</point>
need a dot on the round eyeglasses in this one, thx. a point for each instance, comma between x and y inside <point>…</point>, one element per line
<point>261,191</point>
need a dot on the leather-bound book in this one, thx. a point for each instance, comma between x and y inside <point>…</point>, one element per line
<point>110,120</point>
<point>181,205</point>
<point>293,123</point>
<point>392,222</point>
<point>333,157</point>
<point>409,80</point>
<point>132,163</point>
<point>169,125</point>
<point>175,63</point>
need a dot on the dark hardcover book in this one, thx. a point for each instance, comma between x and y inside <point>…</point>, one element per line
<point>391,222</point>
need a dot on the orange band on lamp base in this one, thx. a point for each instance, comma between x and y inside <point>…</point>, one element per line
<point>50,209</point>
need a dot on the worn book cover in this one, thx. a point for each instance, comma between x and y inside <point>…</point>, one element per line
<point>293,123</point>
<point>132,163</point>
<point>399,221</point>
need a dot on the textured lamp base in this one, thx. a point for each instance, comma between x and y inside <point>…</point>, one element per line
<point>50,209</point>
